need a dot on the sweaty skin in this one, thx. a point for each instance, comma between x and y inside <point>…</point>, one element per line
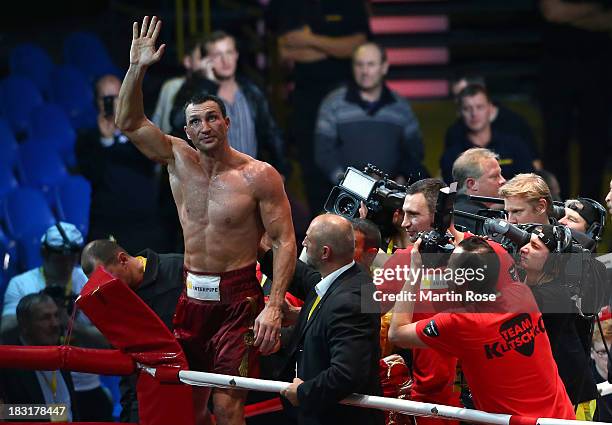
<point>218,202</point>
<point>226,200</point>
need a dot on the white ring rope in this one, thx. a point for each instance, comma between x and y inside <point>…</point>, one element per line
<point>206,379</point>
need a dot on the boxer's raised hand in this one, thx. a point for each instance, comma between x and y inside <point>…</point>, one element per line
<point>143,51</point>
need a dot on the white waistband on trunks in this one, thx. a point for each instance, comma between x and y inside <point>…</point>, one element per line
<point>203,287</point>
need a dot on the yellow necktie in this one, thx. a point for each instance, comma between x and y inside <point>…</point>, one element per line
<point>316,303</point>
<point>143,262</point>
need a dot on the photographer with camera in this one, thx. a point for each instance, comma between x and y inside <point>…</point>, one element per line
<point>544,260</point>
<point>527,199</point>
<point>477,172</point>
<point>433,374</point>
<point>504,353</point>
<point>124,183</point>
<point>62,279</point>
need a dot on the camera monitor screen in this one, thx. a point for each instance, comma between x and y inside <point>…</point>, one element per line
<point>358,183</point>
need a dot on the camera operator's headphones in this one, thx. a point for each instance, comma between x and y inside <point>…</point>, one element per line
<point>559,241</point>
<point>68,247</point>
<point>596,228</point>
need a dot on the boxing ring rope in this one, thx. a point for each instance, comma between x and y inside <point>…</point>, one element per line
<point>214,380</point>
<point>144,345</point>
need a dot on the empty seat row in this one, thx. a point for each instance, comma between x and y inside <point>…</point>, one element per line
<point>81,49</point>
<point>26,213</point>
<point>19,97</point>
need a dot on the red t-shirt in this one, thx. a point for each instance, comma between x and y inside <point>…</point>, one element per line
<point>433,373</point>
<point>506,358</point>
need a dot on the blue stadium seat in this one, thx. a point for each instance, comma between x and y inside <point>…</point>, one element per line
<point>50,125</point>
<point>40,166</point>
<point>8,145</point>
<point>28,247</point>
<point>72,202</point>
<point>26,212</point>
<point>18,96</point>
<point>86,51</point>
<point>71,90</point>
<point>111,383</point>
<point>32,61</point>
<point>8,183</point>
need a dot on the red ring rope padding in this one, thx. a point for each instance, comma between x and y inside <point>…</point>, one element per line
<point>263,407</point>
<point>132,327</point>
<point>522,420</point>
<point>89,360</point>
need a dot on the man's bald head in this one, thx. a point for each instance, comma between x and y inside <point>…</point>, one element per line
<point>335,232</point>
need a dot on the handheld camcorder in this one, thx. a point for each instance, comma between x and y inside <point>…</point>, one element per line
<point>381,196</point>
<point>514,236</point>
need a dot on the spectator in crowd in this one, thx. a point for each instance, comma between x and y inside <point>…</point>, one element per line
<point>503,120</point>
<point>477,172</point>
<point>38,323</point>
<point>63,279</point>
<point>600,346</point>
<point>254,130</point>
<point>335,343</point>
<point>156,278</point>
<point>124,197</point>
<point>527,199</point>
<point>476,109</point>
<point>365,122</point>
<point>577,57</point>
<point>193,60</point>
<point>317,41</point>
<point>568,331</point>
<point>508,345</point>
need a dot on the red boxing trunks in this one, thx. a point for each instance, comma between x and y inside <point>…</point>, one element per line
<point>214,319</point>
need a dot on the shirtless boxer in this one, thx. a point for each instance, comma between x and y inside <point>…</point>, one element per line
<point>226,200</point>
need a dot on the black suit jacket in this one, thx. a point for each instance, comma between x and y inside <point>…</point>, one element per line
<point>20,386</point>
<point>337,352</point>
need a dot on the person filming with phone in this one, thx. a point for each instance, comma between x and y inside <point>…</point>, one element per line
<point>119,175</point>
